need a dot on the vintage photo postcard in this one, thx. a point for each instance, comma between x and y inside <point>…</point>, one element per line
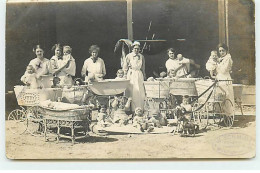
<point>130,79</point>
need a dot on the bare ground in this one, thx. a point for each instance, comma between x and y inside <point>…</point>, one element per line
<point>134,146</point>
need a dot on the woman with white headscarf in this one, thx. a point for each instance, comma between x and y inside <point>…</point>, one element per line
<point>134,68</point>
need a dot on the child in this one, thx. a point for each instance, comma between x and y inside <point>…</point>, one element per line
<point>157,119</point>
<point>29,78</point>
<point>171,74</point>
<point>120,75</point>
<point>141,122</point>
<point>102,115</point>
<point>211,64</point>
<point>67,53</point>
<point>56,82</point>
<point>163,74</point>
<point>185,107</point>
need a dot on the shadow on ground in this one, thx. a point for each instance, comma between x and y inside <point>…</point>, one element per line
<point>94,139</point>
<point>243,121</point>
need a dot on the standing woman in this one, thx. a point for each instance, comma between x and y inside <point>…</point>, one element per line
<point>94,67</point>
<point>62,67</point>
<point>171,63</point>
<point>134,67</point>
<point>40,64</point>
<point>223,73</point>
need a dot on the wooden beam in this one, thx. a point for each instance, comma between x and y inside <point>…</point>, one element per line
<point>130,20</point>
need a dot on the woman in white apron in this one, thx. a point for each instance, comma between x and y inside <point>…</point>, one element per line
<point>223,73</point>
<point>134,67</point>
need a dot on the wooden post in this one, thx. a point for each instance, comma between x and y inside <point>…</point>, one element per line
<point>221,21</point>
<point>226,26</point>
<point>129,20</point>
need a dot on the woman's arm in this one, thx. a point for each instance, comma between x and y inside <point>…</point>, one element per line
<point>66,65</point>
<point>103,68</point>
<point>84,69</point>
<point>71,69</point>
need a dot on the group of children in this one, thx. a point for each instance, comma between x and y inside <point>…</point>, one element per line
<point>143,121</point>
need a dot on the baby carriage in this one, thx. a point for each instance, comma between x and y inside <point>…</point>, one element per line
<point>28,117</point>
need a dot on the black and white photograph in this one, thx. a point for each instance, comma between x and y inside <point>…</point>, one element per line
<point>130,79</point>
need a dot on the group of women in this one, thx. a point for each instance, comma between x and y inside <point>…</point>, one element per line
<point>133,66</point>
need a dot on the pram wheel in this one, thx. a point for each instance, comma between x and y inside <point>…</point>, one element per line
<point>35,121</point>
<point>200,116</point>
<point>217,113</point>
<point>17,121</point>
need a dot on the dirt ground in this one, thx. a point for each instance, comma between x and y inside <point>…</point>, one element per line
<point>136,146</point>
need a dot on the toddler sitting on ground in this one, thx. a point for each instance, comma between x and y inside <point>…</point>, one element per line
<point>102,116</point>
<point>141,122</point>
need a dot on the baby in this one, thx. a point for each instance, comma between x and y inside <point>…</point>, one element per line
<point>56,82</point>
<point>211,64</point>
<point>157,119</point>
<point>29,78</point>
<point>120,74</point>
<point>179,57</point>
<point>163,74</point>
<point>102,116</point>
<point>67,53</point>
<point>171,74</point>
<point>141,122</point>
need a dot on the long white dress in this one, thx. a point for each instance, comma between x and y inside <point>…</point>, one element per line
<point>135,65</point>
<point>65,74</point>
<point>223,73</point>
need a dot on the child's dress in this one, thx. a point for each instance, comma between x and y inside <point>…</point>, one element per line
<point>31,80</point>
<point>211,64</point>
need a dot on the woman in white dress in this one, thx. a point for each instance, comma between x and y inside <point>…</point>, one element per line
<point>40,64</point>
<point>62,67</point>
<point>94,67</point>
<point>223,73</point>
<point>134,68</point>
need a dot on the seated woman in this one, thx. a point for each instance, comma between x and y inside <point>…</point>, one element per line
<point>64,66</point>
<point>94,67</point>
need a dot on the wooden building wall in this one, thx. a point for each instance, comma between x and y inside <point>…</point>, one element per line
<point>81,24</point>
